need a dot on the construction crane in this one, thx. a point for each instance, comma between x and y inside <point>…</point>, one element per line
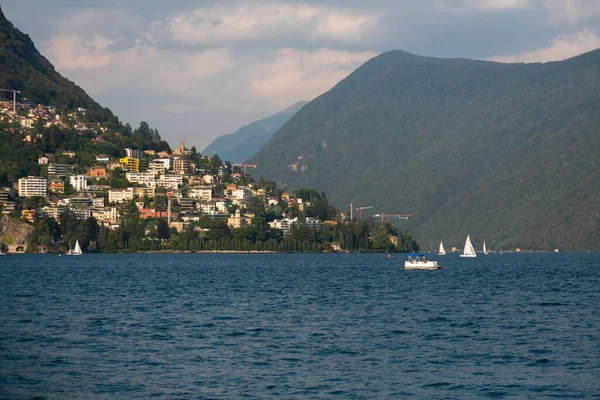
<point>14,92</point>
<point>399,216</point>
<point>360,210</point>
<point>245,166</point>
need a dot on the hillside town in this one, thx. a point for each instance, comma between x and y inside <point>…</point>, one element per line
<point>177,188</point>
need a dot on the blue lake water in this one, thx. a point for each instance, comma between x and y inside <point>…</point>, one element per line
<point>299,326</point>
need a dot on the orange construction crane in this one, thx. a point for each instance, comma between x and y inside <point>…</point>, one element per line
<point>245,166</point>
<point>360,210</point>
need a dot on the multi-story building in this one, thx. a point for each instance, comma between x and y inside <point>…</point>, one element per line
<point>79,182</point>
<point>203,193</point>
<point>60,171</point>
<point>79,202</point>
<point>121,195</point>
<point>98,172</point>
<point>107,215</point>
<point>56,186</point>
<point>206,208</point>
<point>143,178</point>
<point>82,213</point>
<point>7,199</point>
<point>165,161</point>
<point>170,181</point>
<point>54,211</point>
<point>146,191</point>
<point>186,203</point>
<point>313,223</point>
<point>133,153</point>
<point>157,168</point>
<point>131,164</point>
<point>284,224</point>
<point>182,167</point>
<point>241,195</point>
<point>32,186</point>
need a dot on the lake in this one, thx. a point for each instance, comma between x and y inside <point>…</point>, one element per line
<point>519,325</point>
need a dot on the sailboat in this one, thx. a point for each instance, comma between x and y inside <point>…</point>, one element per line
<point>468,251</point>
<point>77,250</point>
<point>485,249</point>
<point>442,251</point>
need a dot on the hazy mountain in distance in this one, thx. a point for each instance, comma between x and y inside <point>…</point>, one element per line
<point>239,146</point>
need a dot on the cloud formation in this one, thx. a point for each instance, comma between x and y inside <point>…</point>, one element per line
<point>247,22</point>
<point>221,64</point>
<point>563,47</point>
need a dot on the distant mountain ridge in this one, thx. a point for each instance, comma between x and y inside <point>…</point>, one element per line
<point>239,146</point>
<point>504,152</point>
<point>26,70</point>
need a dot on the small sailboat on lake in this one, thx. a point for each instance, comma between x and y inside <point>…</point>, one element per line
<point>469,250</point>
<point>77,251</point>
<point>442,251</point>
<point>485,251</point>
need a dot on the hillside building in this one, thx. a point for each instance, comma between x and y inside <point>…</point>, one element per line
<point>32,186</point>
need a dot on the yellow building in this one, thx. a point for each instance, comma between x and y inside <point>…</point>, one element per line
<point>131,164</point>
<point>29,215</point>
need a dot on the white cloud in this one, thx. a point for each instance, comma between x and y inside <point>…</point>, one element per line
<point>561,48</point>
<point>464,6</point>
<point>296,74</point>
<point>569,11</point>
<point>268,20</point>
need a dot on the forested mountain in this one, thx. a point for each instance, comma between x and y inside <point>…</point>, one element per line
<point>239,146</point>
<point>26,70</point>
<point>504,152</point>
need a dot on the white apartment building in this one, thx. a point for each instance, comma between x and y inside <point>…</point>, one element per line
<point>170,181</point>
<point>109,215</point>
<point>79,182</point>
<point>203,193</point>
<point>285,224</point>
<point>241,195</point>
<point>32,186</point>
<point>206,208</point>
<point>313,223</point>
<point>143,178</point>
<point>166,162</point>
<point>222,206</point>
<point>157,168</point>
<point>121,195</point>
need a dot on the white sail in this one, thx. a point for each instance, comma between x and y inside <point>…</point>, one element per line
<point>468,251</point>
<point>77,251</point>
<point>484,248</point>
<point>441,252</point>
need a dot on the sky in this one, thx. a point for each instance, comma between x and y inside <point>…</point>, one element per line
<point>196,70</point>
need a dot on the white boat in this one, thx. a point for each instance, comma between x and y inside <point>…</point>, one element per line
<point>485,249</point>
<point>77,250</point>
<point>418,261</point>
<point>468,251</point>
<point>442,251</point>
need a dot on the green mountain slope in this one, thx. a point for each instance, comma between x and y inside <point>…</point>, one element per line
<point>26,70</point>
<point>504,152</point>
<point>239,146</point>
